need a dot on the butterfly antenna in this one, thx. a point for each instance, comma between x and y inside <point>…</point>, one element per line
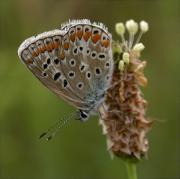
<point>51,132</point>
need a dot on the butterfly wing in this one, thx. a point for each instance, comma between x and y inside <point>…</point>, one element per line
<point>43,56</point>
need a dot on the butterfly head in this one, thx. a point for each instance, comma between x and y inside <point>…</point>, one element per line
<point>83,115</point>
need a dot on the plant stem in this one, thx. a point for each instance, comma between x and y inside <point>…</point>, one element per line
<point>131,170</point>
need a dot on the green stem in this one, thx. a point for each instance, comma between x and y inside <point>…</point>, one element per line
<point>131,170</point>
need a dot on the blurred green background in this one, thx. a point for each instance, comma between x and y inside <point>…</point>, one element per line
<point>79,150</point>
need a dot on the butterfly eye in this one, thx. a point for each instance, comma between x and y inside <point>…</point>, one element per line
<point>83,115</point>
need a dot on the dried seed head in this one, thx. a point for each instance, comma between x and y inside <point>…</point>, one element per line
<point>123,116</point>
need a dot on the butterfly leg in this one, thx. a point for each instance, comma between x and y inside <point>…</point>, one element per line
<point>51,132</point>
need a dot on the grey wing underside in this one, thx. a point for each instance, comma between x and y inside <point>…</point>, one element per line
<point>43,65</point>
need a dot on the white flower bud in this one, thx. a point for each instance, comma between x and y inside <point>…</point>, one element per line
<point>138,47</point>
<point>144,26</point>
<point>126,57</point>
<point>120,29</point>
<point>121,65</point>
<point>132,26</point>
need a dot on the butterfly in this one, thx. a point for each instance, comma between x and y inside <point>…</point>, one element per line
<point>74,62</point>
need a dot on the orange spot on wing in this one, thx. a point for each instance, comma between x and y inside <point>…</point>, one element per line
<point>105,43</point>
<point>79,34</point>
<point>72,37</point>
<point>34,54</point>
<point>62,55</point>
<point>29,61</point>
<point>56,45</point>
<point>86,36</point>
<point>66,45</point>
<point>95,38</point>
<point>42,49</point>
<point>37,51</point>
<point>50,47</point>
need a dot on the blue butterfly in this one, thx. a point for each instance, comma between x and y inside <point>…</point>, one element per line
<point>74,62</point>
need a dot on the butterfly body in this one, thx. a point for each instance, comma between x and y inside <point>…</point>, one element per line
<point>74,62</point>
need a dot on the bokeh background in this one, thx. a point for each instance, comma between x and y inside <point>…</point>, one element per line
<point>79,150</point>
